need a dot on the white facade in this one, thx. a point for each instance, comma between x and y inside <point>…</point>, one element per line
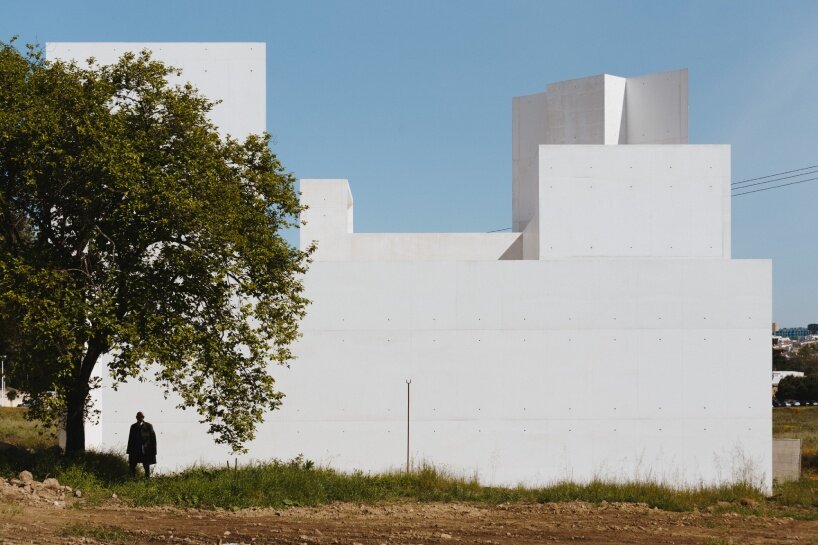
<point>608,336</point>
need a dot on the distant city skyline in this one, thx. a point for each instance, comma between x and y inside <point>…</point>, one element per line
<point>411,101</point>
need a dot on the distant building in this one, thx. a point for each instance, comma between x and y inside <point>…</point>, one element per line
<point>778,375</point>
<point>782,344</point>
<point>813,328</point>
<point>6,399</point>
<point>794,333</point>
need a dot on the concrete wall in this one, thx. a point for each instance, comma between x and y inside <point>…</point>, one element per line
<point>596,110</point>
<point>786,460</point>
<point>522,371</point>
<point>656,108</point>
<point>629,201</point>
<point>329,223</point>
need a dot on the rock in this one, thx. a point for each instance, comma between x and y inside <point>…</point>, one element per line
<point>114,496</point>
<point>25,476</point>
<point>77,493</point>
<point>445,536</point>
<point>748,502</point>
<point>52,483</point>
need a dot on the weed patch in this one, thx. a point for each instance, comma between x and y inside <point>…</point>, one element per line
<point>106,535</point>
<point>799,423</point>
<point>16,429</point>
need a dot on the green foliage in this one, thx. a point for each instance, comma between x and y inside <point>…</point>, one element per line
<point>129,227</point>
<point>798,388</point>
<point>802,493</point>
<point>805,360</point>
<point>299,482</point>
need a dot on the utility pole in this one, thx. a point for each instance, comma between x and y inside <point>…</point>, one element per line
<point>408,386</point>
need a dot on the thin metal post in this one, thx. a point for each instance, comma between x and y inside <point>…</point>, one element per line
<point>408,386</point>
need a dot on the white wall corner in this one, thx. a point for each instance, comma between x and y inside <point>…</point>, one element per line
<point>656,108</point>
<point>615,117</point>
<point>328,219</point>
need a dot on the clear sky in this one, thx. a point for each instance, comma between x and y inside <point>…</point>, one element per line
<point>411,100</point>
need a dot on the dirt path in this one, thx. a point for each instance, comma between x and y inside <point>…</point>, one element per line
<point>397,524</point>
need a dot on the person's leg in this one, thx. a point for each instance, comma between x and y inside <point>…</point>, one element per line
<point>147,470</point>
<point>132,467</point>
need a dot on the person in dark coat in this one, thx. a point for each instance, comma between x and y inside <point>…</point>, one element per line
<point>141,445</point>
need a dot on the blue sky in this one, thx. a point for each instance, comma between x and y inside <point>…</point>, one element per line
<point>411,100</point>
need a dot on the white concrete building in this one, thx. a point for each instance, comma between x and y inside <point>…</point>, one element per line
<point>610,335</point>
<point>778,375</point>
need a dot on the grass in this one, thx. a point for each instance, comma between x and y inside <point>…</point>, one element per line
<point>800,423</point>
<point>106,535</point>
<point>16,430</point>
<point>280,484</point>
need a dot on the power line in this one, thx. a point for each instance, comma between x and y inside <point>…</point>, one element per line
<point>771,175</point>
<point>751,185</point>
<point>774,180</point>
<point>774,187</point>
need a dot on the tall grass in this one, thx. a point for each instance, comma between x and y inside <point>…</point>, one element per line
<point>15,429</point>
<point>298,482</point>
<point>279,484</point>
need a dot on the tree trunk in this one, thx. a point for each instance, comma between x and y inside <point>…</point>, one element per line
<point>75,419</point>
<point>78,397</point>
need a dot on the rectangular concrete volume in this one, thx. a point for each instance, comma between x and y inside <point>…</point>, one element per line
<point>609,335</point>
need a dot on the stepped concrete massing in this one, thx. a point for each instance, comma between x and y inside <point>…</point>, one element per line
<point>609,335</point>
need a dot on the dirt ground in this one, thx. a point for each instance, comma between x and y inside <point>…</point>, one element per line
<point>395,523</point>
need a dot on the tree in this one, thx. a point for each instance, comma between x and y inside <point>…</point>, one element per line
<point>800,388</point>
<point>805,359</point>
<point>134,235</point>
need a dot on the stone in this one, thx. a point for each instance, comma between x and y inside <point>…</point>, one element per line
<point>52,483</point>
<point>25,476</point>
<point>77,493</point>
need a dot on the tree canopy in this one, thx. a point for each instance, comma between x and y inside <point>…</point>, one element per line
<point>133,234</point>
<point>800,388</point>
<point>804,359</point>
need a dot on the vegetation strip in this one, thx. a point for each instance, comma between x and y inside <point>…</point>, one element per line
<point>299,482</point>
